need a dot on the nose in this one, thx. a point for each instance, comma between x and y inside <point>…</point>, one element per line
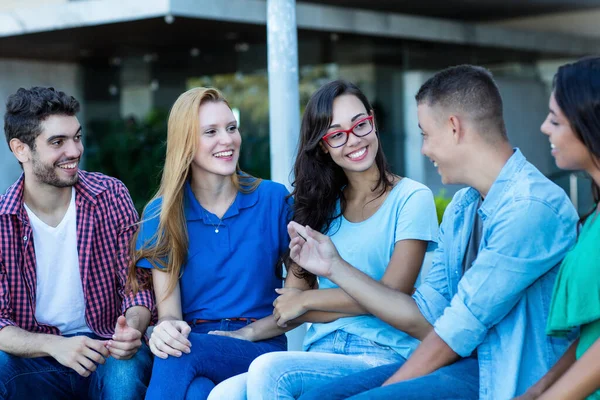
<point>545,126</point>
<point>353,139</point>
<point>225,137</point>
<point>74,150</point>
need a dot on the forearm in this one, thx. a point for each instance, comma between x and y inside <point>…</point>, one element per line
<point>565,362</point>
<point>138,317</point>
<point>394,307</point>
<point>580,380</point>
<point>432,354</point>
<point>266,328</point>
<point>320,317</point>
<point>21,343</point>
<point>331,301</point>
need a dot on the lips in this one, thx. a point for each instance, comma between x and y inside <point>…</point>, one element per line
<point>224,154</point>
<point>358,155</point>
<point>71,165</point>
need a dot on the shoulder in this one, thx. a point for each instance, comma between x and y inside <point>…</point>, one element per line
<point>98,184</point>
<point>268,187</point>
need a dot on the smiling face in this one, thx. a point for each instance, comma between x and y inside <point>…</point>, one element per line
<point>55,158</point>
<point>569,151</point>
<point>358,153</point>
<point>219,141</point>
<point>438,142</point>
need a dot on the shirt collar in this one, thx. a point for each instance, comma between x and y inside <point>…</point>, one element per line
<point>502,183</point>
<point>85,189</point>
<point>195,212</point>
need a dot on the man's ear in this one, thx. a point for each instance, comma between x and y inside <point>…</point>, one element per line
<point>20,150</point>
<point>457,128</point>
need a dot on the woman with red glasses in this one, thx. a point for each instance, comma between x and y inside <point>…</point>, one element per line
<point>380,223</point>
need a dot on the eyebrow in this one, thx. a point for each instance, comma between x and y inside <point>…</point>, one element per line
<point>552,112</point>
<point>352,120</point>
<point>217,125</point>
<point>63,136</point>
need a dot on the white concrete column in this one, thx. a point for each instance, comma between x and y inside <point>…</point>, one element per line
<point>284,103</point>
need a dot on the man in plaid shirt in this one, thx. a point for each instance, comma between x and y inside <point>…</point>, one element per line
<point>69,328</point>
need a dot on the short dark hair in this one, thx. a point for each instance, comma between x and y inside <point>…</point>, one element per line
<point>470,89</point>
<point>26,109</point>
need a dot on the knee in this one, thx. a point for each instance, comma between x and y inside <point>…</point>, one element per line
<point>126,379</point>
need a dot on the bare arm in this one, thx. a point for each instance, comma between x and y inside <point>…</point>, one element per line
<point>580,380</point>
<point>432,354</point>
<point>169,337</point>
<point>555,373</point>
<point>21,343</point>
<point>318,254</point>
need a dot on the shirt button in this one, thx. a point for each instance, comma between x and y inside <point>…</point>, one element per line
<point>24,238</point>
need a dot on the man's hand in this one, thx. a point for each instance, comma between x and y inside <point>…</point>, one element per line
<point>79,353</point>
<point>312,250</point>
<point>125,342</point>
<point>288,306</point>
<point>169,338</point>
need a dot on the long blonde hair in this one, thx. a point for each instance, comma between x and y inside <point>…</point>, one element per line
<point>168,247</point>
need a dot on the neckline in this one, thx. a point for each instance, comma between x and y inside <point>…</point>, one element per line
<point>386,201</point>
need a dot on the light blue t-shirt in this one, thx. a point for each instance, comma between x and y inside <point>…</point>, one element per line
<point>229,274</point>
<point>407,213</point>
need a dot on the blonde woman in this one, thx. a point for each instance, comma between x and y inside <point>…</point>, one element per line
<point>213,236</point>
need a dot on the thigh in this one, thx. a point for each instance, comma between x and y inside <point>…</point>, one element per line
<point>458,381</point>
<point>287,375</point>
<point>353,384</point>
<point>214,357</point>
<point>41,377</point>
<point>122,379</point>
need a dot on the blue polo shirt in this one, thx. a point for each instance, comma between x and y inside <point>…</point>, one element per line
<point>231,273</point>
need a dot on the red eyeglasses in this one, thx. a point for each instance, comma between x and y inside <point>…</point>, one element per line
<point>339,138</point>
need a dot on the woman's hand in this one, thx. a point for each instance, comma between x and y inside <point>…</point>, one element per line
<point>170,338</point>
<point>312,250</point>
<point>288,305</point>
<point>242,334</point>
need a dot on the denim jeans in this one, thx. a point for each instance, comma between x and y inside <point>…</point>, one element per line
<point>45,378</point>
<point>288,375</point>
<point>212,360</point>
<point>458,381</point>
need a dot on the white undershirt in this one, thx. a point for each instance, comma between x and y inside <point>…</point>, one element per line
<point>59,294</point>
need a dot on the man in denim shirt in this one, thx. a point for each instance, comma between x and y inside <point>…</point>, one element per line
<point>482,309</point>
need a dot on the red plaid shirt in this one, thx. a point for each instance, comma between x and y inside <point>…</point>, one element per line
<point>106,222</point>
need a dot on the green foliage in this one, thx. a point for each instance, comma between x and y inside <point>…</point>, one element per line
<point>441,202</point>
<point>129,150</point>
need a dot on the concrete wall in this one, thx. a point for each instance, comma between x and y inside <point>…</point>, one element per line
<point>580,23</point>
<point>15,74</point>
<point>8,5</point>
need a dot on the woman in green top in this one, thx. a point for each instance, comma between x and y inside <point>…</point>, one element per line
<point>573,127</point>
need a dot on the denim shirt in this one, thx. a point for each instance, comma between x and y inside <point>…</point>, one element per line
<point>500,306</point>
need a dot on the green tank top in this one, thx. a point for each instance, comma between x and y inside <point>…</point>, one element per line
<point>576,298</point>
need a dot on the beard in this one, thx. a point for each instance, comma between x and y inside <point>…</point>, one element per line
<point>45,173</point>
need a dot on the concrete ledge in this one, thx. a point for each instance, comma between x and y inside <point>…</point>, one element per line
<point>309,16</point>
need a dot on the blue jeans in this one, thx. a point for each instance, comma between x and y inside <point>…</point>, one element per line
<point>287,375</point>
<point>46,378</point>
<point>212,360</point>
<point>458,381</point>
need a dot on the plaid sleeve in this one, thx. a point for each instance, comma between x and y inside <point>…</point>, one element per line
<point>6,311</point>
<point>127,228</point>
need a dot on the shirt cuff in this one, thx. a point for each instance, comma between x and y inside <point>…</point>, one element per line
<point>431,303</point>
<point>142,298</point>
<point>460,329</point>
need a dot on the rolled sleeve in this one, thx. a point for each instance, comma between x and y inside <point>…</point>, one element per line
<point>431,303</point>
<point>6,312</point>
<point>524,244</point>
<point>460,328</point>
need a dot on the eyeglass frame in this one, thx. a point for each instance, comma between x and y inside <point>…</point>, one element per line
<point>349,131</point>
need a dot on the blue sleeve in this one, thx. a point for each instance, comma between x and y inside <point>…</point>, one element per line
<point>417,218</point>
<point>148,227</point>
<point>433,296</point>
<point>525,243</point>
<point>285,216</point>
